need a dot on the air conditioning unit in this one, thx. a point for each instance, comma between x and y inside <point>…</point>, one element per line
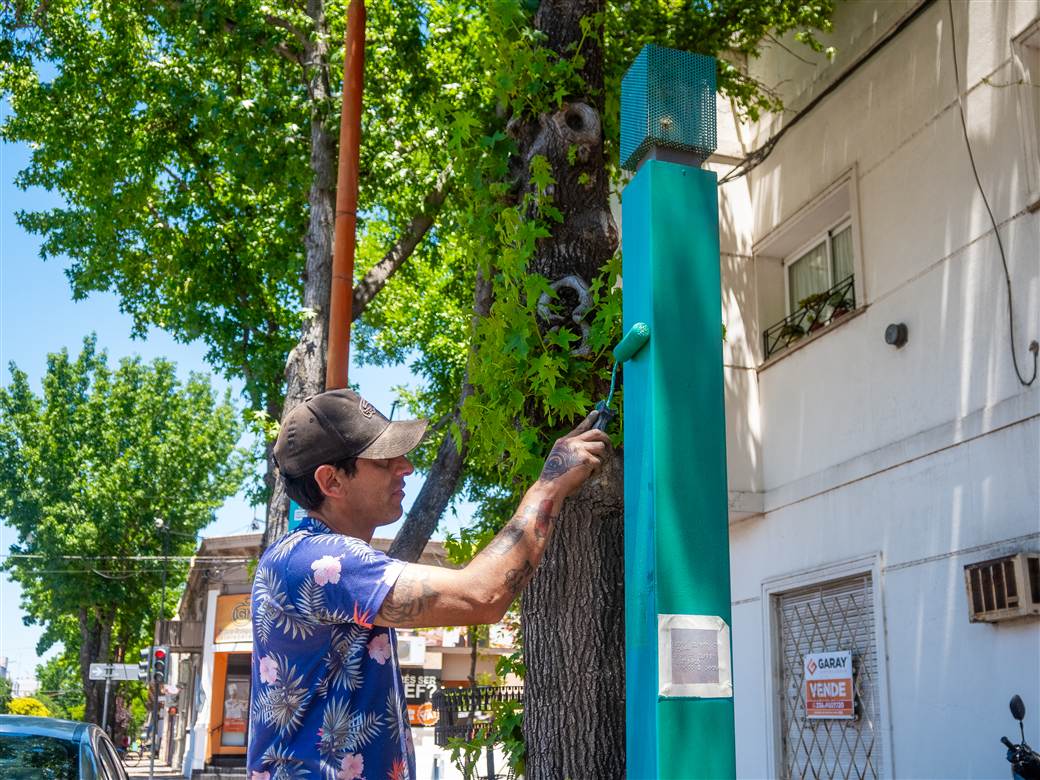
<point>1003,588</point>
<point>411,650</point>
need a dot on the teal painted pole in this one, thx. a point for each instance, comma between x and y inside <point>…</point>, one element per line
<point>678,663</point>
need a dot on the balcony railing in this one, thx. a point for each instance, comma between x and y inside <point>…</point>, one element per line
<point>815,312</point>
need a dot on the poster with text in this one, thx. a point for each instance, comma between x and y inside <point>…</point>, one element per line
<point>828,685</point>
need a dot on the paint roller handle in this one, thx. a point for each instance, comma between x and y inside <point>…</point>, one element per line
<point>604,417</point>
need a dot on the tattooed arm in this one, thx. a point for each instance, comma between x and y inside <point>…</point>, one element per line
<point>483,590</point>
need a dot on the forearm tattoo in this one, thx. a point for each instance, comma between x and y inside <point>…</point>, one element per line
<point>511,535</point>
<point>517,579</point>
<point>561,460</point>
<point>507,538</point>
<point>408,599</point>
<point>543,520</point>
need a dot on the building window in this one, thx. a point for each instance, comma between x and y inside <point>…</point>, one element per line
<point>820,283</point>
<point>828,262</point>
<point>830,617</point>
<point>1026,75</point>
<point>808,268</point>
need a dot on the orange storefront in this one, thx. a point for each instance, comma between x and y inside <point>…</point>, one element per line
<point>232,650</point>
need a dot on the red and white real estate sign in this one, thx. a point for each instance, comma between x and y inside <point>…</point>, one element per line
<point>828,685</point>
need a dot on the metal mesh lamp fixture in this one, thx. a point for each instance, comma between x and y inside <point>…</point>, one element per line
<point>668,108</point>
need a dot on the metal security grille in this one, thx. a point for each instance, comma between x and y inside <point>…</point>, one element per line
<point>829,617</point>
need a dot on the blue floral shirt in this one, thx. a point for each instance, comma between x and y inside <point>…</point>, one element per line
<point>327,699</point>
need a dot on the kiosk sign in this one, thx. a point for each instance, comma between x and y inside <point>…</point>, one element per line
<point>828,685</point>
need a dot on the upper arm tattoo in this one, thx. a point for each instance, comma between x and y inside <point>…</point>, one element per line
<point>409,598</point>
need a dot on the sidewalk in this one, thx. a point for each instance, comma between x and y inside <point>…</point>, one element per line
<point>161,771</point>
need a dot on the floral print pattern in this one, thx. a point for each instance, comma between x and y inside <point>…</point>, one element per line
<point>379,649</point>
<point>327,699</point>
<point>326,570</point>
<point>351,767</point>
<point>268,670</point>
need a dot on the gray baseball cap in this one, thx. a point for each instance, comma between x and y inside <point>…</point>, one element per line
<point>338,424</point>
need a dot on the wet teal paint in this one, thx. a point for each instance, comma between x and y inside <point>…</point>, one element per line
<point>676,518</point>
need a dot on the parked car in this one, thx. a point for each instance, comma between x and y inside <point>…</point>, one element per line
<point>51,749</point>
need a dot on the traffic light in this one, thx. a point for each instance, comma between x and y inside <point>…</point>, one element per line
<point>144,665</point>
<point>160,659</point>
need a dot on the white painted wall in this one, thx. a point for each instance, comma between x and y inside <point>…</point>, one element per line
<point>195,754</point>
<point>927,456</point>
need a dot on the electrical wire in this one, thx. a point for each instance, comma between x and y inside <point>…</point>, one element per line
<point>1033,346</point>
<point>113,573</point>
<point>758,156</point>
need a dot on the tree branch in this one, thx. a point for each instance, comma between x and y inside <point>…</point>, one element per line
<point>380,273</point>
<point>443,478</point>
<point>280,48</point>
<point>289,27</point>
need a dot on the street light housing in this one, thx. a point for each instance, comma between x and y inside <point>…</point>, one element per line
<point>668,108</point>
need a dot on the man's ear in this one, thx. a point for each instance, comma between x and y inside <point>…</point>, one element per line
<point>330,482</point>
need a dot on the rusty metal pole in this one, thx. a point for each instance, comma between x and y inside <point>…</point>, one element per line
<point>341,297</point>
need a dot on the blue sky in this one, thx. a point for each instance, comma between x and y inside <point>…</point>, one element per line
<point>38,316</point>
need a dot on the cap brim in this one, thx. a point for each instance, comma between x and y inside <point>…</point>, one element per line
<point>399,438</point>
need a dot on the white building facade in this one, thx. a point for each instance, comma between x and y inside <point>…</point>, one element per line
<point>865,476</point>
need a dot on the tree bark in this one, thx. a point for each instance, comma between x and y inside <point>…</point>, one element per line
<point>87,653</point>
<point>95,631</point>
<point>573,624</point>
<point>572,614</point>
<point>305,368</point>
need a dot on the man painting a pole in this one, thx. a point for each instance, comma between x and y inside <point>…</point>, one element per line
<point>327,695</point>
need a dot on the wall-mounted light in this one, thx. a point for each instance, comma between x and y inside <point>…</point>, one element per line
<point>896,334</point>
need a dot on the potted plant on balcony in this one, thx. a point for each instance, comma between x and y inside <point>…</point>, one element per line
<point>814,305</point>
<point>839,304</point>
<point>791,331</point>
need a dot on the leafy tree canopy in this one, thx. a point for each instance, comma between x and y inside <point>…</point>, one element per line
<point>86,468</point>
<point>179,135</point>
<point>59,679</point>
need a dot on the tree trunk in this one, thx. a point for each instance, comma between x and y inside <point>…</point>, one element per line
<point>305,368</point>
<point>573,620</point>
<point>573,611</point>
<point>87,654</point>
<point>95,631</point>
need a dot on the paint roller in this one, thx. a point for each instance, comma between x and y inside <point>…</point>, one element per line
<point>626,349</point>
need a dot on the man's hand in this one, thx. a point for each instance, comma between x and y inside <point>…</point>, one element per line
<point>481,593</point>
<point>575,457</point>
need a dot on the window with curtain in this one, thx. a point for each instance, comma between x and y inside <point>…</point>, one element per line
<point>828,262</point>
